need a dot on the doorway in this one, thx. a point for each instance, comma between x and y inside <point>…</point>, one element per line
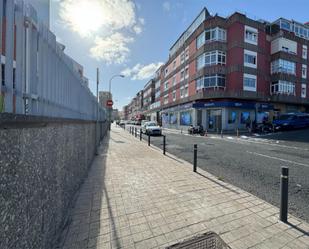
<point>214,120</point>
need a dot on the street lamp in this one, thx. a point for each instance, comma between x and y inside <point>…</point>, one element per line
<point>110,92</point>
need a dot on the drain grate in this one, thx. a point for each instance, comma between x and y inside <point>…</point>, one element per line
<point>209,240</point>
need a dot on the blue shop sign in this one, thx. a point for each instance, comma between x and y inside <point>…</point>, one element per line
<point>225,104</point>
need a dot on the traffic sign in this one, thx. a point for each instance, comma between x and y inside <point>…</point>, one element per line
<point>109,103</point>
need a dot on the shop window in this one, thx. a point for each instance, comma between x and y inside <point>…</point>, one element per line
<point>185,118</point>
<point>165,118</point>
<point>173,118</point>
<point>232,117</point>
<point>245,117</point>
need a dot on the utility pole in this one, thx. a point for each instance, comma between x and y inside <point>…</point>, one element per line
<point>97,121</point>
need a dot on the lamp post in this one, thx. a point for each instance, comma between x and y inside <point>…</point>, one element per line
<point>110,92</point>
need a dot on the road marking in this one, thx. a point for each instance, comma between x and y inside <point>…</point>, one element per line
<point>261,141</point>
<point>276,158</point>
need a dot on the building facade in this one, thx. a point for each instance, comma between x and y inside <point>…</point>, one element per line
<point>42,8</point>
<point>225,72</point>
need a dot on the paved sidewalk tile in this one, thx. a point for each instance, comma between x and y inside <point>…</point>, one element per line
<point>134,197</point>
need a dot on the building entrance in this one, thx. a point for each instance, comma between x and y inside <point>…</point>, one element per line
<point>214,120</point>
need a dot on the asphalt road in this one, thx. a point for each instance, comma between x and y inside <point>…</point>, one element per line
<point>251,163</point>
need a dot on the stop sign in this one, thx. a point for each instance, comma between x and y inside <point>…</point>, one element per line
<point>109,103</point>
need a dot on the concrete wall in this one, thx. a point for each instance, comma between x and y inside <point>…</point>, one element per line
<point>42,164</point>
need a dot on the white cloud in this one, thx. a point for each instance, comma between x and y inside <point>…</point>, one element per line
<point>137,29</point>
<point>113,49</point>
<point>141,72</point>
<point>87,17</point>
<point>166,6</point>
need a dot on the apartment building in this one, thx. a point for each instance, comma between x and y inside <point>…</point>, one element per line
<point>225,72</point>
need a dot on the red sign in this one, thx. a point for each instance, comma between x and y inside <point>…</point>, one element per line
<point>109,103</point>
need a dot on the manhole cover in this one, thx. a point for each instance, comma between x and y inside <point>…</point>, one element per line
<point>209,240</point>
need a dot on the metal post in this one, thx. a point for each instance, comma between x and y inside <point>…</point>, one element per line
<point>130,130</point>
<point>140,135</point>
<point>164,144</point>
<point>284,190</point>
<point>221,133</point>
<point>97,119</point>
<point>194,158</point>
<point>237,132</point>
<point>135,132</point>
<point>148,139</point>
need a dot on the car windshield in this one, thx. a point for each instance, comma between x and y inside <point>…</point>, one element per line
<point>151,124</point>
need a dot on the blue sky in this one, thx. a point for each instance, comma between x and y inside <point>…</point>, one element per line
<point>134,37</point>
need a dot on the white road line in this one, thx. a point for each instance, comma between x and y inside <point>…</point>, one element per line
<point>276,158</point>
<point>243,141</point>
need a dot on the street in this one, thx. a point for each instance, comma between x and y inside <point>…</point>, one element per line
<point>251,163</point>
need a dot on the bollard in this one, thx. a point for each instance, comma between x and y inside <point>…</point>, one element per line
<point>221,133</point>
<point>284,191</point>
<point>148,139</point>
<point>237,132</point>
<point>164,143</point>
<point>140,135</point>
<point>130,129</point>
<point>194,157</point>
<point>135,132</point>
<point>181,131</point>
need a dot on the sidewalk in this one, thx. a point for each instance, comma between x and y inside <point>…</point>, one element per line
<point>135,197</point>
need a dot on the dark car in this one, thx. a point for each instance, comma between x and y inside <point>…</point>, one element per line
<point>291,121</point>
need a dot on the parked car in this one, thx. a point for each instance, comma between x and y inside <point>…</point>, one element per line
<point>122,122</point>
<point>152,128</point>
<point>291,121</point>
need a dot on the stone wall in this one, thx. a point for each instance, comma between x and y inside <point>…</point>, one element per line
<point>43,162</point>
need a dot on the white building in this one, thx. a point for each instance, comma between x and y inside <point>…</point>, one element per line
<point>43,10</point>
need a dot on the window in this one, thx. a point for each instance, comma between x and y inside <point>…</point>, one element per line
<point>283,66</point>
<point>211,58</point>
<point>251,35</point>
<point>232,117</point>
<point>4,8</point>
<point>250,59</point>
<point>245,117</point>
<point>165,99</point>
<point>174,95</point>
<point>216,34</point>
<point>187,54</point>
<point>304,71</point>
<point>3,74</point>
<point>303,90</point>
<point>249,82</point>
<point>283,87</point>
<point>185,118</point>
<point>182,57</point>
<point>209,81</point>
<point>166,71</point>
<point>182,74</point>
<point>200,40</point>
<point>187,72</point>
<point>182,92</point>
<point>186,91</point>
<point>166,85</point>
<point>174,80</point>
<point>304,53</point>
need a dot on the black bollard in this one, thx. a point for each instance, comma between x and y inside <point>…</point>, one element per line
<point>135,132</point>
<point>195,158</point>
<point>164,143</point>
<point>140,135</point>
<point>148,139</point>
<point>284,191</point>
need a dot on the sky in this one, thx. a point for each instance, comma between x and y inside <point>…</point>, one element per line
<point>133,37</point>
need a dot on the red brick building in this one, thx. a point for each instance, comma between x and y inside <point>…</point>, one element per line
<point>224,72</point>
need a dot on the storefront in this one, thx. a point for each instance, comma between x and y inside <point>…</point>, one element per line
<point>230,115</point>
<point>179,117</point>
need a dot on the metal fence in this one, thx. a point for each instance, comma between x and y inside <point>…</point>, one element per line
<point>37,77</point>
